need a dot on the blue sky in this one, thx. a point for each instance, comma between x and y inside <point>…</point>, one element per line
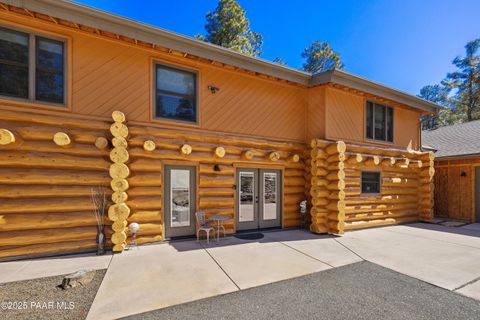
<point>401,43</point>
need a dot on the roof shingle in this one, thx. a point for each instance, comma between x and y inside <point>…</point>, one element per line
<point>455,140</point>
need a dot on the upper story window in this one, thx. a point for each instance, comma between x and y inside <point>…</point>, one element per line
<point>32,67</point>
<point>175,94</point>
<point>379,122</point>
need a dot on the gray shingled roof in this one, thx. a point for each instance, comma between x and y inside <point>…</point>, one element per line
<point>456,140</point>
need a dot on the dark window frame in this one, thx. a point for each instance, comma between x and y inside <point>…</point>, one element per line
<point>388,127</point>
<point>194,97</point>
<point>379,182</point>
<point>32,67</point>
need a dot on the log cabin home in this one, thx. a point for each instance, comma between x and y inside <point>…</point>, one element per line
<point>457,167</point>
<point>171,125</point>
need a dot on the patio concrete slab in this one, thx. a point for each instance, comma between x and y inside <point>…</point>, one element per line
<point>418,254</point>
<point>53,266</point>
<point>321,247</point>
<point>251,264</point>
<point>157,276</point>
<point>471,290</point>
<point>460,236</point>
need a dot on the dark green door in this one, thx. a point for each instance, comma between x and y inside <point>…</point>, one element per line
<point>179,212</point>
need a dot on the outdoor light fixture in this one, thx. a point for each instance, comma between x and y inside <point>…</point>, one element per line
<point>133,228</point>
<point>463,174</point>
<point>216,167</point>
<point>213,89</point>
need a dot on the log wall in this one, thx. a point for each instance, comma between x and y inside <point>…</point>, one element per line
<point>337,202</point>
<point>50,163</point>
<point>46,176</point>
<point>215,189</point>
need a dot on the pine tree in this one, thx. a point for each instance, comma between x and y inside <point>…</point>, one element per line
<point>228,27</point>
<point>466,81</point>
<point>321,57</point>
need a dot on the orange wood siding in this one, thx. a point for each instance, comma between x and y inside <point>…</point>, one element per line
<point>110,75</point>
<point>345,120</point>
<point>344,115</point>
<point>316,113</point>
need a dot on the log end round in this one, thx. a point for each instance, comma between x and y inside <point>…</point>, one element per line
<point>119,247</point>
<point>118,211</point>
<point>61,139</point>
<point>248,155</point>
<point>119,155</point>
<point>341,146</point>
<point>119,237</point>
<point>119,142</point>
<point>118,116</point>
<point>101,143</point>
<point>295,158</point>
<point>220,152</point>
<point>431,156</point>
<point>119,196</point>
<point>119,171</point>
<point>119,185</point>
<point>149,145</point>
<point>186,149</point>
<point>6,137</point>
<point>118,129</point>
<point>274,156</point>
<point>119,226</point>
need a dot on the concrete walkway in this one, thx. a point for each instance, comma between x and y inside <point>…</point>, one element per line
<point>162,275</point>
<point>47,267</point>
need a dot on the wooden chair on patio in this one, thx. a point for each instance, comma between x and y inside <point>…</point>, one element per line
<point>202,225</point>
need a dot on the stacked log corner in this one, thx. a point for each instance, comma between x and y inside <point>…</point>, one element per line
<point>327,210</point>
<point>119,211</point>
<point>426,192</point>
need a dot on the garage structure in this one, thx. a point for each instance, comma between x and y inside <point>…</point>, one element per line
<point>457,170</point>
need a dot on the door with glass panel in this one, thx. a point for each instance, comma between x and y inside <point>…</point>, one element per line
<point>258,199</point>
<point>179,211</point>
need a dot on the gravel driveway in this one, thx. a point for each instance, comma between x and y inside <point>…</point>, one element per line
<point>42,299</point>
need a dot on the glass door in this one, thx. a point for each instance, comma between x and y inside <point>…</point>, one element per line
<point>269,196</point>
<point>258,199</point>
<point>247,199</point>
<point>179,211</point>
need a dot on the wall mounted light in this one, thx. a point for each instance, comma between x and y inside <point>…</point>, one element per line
<point>216,167</point>
<point>213,89</point>
<point>463,174</point>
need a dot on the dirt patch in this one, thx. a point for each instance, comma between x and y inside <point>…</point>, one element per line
<point>42,298</point>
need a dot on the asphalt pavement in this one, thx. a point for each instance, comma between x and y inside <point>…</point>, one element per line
<point>361,290</point>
